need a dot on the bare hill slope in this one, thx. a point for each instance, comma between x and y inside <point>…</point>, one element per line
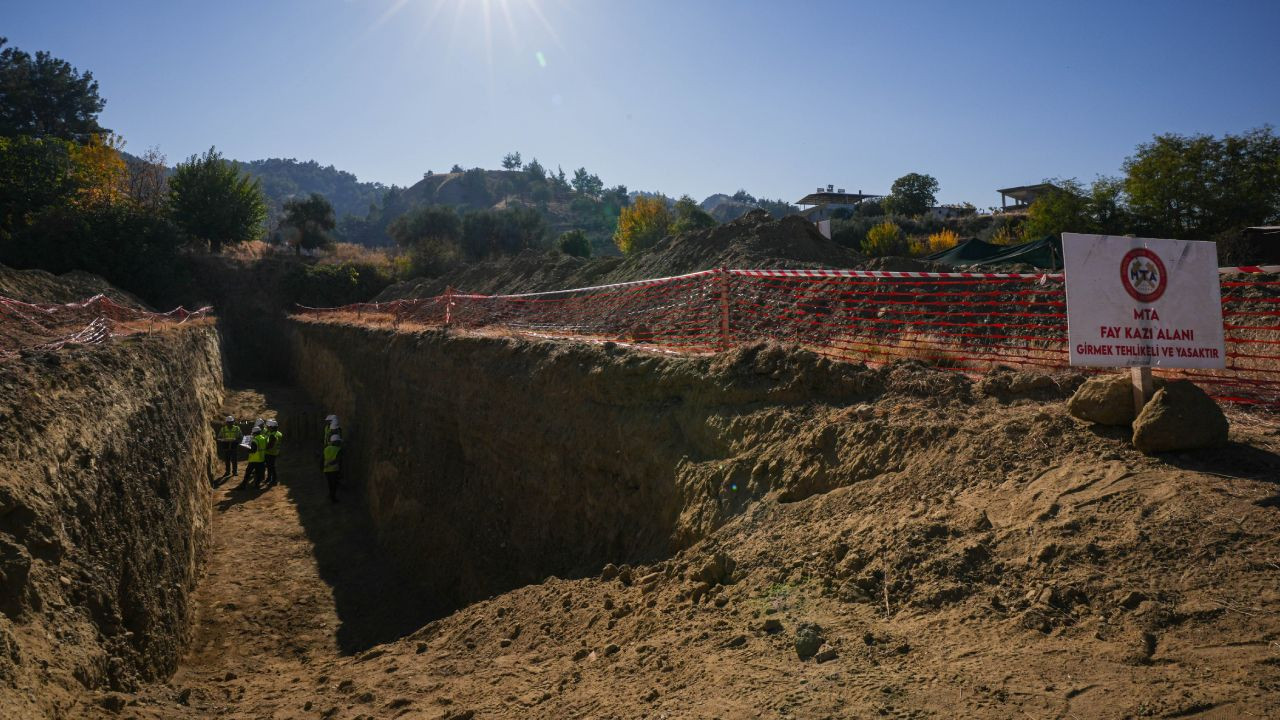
<point>753,240</point>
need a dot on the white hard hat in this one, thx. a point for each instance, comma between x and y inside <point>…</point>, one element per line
<point>329,418</point>
<point>272,423</point>
<point>230,419</point>
<point>335,438</point>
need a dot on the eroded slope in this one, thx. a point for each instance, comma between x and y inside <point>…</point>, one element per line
<point>104,512</point>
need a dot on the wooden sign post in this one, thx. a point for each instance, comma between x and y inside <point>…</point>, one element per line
<point>1143,387</point>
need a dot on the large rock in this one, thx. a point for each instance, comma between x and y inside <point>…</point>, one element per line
<point>1106,400</point>
<point>1180,417</point>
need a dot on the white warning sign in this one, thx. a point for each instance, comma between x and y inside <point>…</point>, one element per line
<point>1138,302</point>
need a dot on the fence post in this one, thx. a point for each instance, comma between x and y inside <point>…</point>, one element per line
<point>448,306</point>
<point>724,308</point>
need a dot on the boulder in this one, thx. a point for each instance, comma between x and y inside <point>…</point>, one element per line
<point>1180,416</point>
<point>1106,400</point>
<point>808,640</point>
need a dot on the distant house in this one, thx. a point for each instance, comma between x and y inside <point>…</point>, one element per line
<point>827,200</point>
<point>946,212</point>
<point>1023,196</point>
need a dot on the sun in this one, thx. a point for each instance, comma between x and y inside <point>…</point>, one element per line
<point>472,18</point>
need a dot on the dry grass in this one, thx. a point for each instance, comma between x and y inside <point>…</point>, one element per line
<point>252,250</point>
<point>351,253</point>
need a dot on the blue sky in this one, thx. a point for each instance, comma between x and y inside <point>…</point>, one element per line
<point>684,97</point>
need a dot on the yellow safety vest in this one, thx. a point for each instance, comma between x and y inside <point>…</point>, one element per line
<point>259,451</point>
<point>229,432</point>
<point>277,436</point>
<point>331,457</point>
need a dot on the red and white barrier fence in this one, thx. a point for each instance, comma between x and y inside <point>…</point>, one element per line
<point>50,326</point>
<point>964,321</point>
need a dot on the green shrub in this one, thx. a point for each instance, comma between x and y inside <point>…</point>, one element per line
<point>884,239</point>
<point>575,243</point>
<point>326,285</point>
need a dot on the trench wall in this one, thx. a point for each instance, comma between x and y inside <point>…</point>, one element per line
<point>492,462</point>
<point>106,456</point>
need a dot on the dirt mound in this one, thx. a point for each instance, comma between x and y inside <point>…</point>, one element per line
<point>755,240</point>
<point>752,241</point>
<point>38,286</point>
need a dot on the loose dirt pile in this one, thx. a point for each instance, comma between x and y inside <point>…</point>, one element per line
<point>754,240</point>
<point>38,286</point>
<point>104,513</point>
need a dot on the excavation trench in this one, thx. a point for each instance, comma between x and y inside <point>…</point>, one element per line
<point>474,464</point>
<point>488,463</point>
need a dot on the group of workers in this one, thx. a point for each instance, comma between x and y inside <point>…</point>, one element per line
<point>263,444</point>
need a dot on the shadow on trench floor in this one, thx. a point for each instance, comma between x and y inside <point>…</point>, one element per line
<point>372,603</point>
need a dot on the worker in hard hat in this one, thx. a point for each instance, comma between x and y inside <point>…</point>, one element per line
<point>228,438</point>
<point>257,458</point>
<point>333,465</point>
<point>274,438</point>
<point>331,426</point>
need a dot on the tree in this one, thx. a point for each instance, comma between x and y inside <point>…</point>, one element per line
<point>869,208</point>
<point>35,173</point>
<point>99,169</point>
<point>148,181</point>
<point>642,225</point>
<point>309,221</point>
<point>489,233</point>
<point>587,184</point>
<point>1198,186</point>
<point>45,96</point>
<point>1073,208</point>
<point>1107,206</point>
<point>912,194</point>
<point>575,243</point>
<point>432,235</point>
<point>436,222</point>
<point>214,202</point>
<point>511,161</point>
<point>130,246</point>
<point>1065,209</point>
<point>535,171</point>
<point>559,180</point>
<point>690,217</point>
<point>456,168</point>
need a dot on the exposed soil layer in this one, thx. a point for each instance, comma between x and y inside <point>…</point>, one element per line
<point>932,546</point>
<point>104,512</point>
<point>492,462</point>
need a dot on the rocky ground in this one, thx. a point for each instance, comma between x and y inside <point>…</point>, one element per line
<point>1020,564</point>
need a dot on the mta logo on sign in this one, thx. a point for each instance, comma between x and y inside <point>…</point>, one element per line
<point>1143,276</point>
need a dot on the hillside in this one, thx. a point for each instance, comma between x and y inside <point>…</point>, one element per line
<point>753,240</point>
<point>284,178</point>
